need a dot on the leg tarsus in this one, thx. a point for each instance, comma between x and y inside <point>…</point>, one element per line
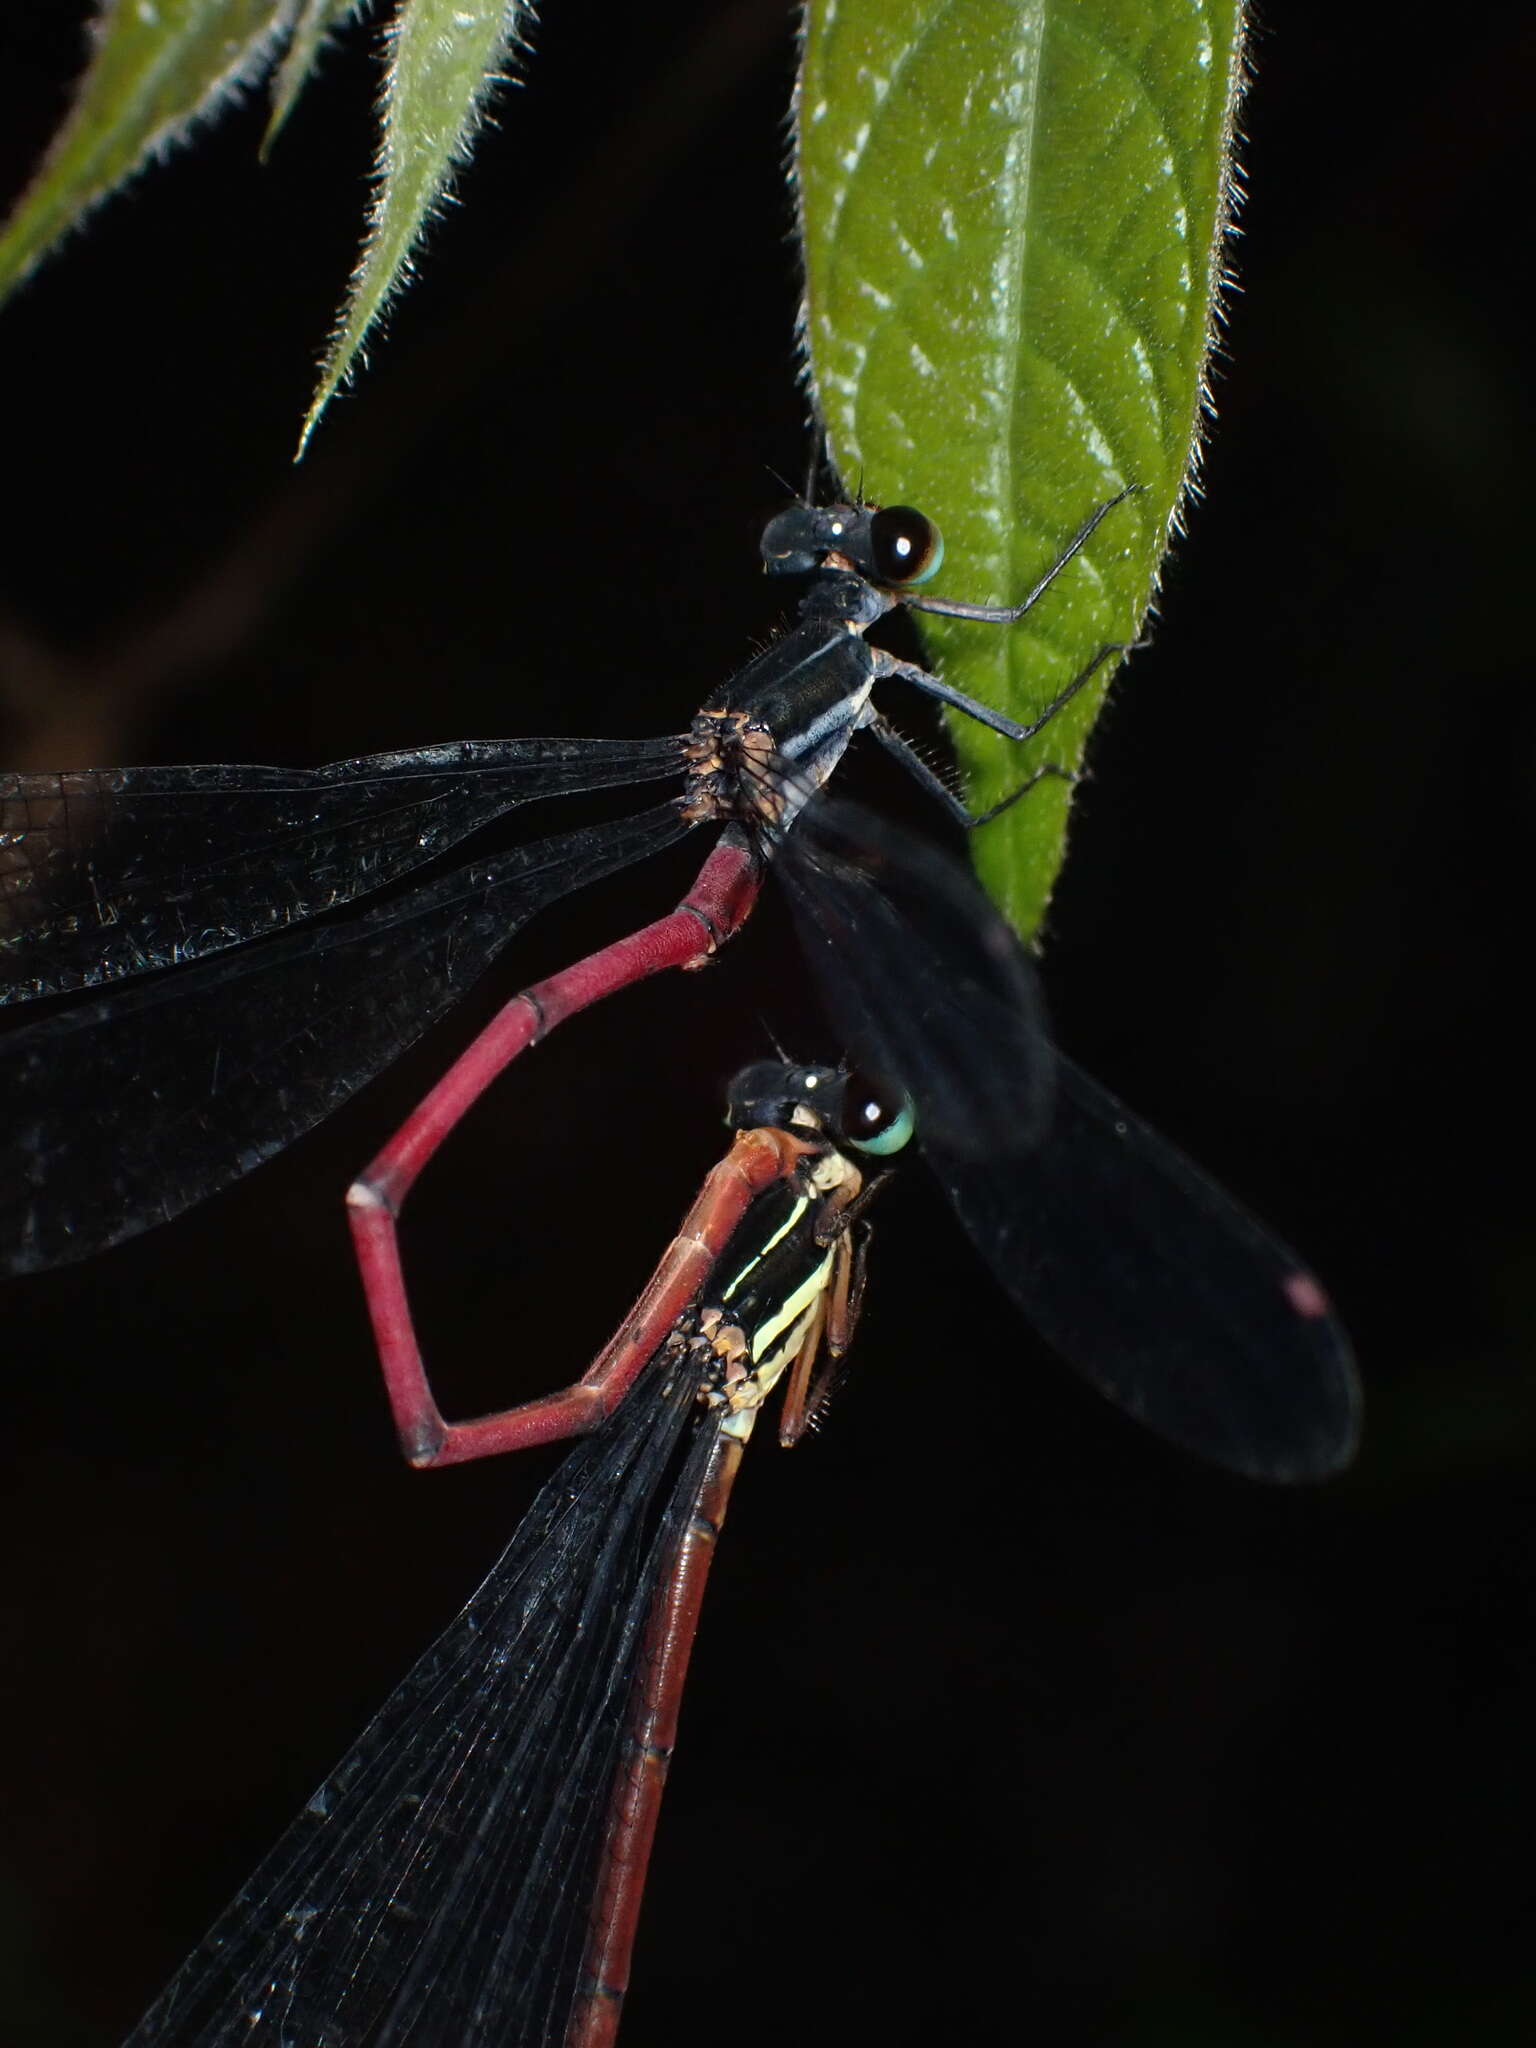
<point>939,790</point>
<point>1009,614</point>
<point>1051,769</point>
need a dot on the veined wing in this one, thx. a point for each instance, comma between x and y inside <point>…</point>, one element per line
<point>121,1110</point>
<point>1145,1275</point>
<point>1162,1289</point>
<point>120,871</point>
<point>436,1888</point>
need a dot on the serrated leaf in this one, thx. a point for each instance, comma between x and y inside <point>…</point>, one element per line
<point>317,20</point>
<point>1013,214</point>
<point>158,67</point>
<point>444,56</point>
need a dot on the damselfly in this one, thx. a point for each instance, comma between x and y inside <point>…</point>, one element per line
<point>247,982</point>
<point>470,1874</point>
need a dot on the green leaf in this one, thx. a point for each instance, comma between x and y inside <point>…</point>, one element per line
<point>445,55</point>
<point>317,20</point>
<point>1013,214</point>
<point>158,67</point>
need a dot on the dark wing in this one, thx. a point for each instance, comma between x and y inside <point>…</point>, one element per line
<point>123,870</point>
<point>119,1112</point>
<point>924,979</point>
<point>1145,1275</point>
<point>1161,1289</point>
<point>436,1888</point>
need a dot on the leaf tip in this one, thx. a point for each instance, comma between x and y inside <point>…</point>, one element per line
<point>317,406</point>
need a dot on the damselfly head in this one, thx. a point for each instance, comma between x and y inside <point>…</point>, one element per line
<point>850,1108</point>
<point>894,546</point>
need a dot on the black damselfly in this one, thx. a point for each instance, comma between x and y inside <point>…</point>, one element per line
<point>470,1874</point>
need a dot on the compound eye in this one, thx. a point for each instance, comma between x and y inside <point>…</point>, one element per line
<point>906,546</point>
<point>872,1122</point>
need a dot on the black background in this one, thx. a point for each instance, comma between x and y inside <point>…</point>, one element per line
<point>1005,1721</point>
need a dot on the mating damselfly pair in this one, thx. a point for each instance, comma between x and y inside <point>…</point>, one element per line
<point>225,953</point>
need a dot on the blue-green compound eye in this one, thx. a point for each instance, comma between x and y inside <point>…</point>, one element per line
<point>906,547</point>
<point>871,1126</point>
